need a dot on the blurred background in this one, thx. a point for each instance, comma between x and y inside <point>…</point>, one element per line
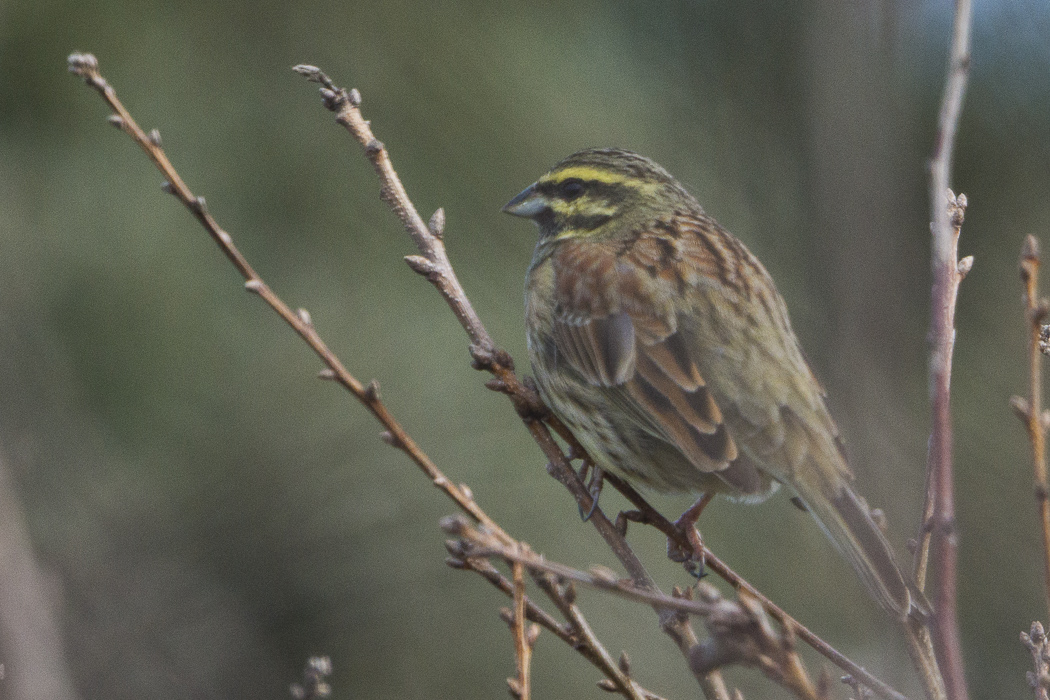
<point>204,515</point>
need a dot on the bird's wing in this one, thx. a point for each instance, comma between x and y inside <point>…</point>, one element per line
<point>615,324</point>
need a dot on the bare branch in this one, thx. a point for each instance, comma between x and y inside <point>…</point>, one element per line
<point>577,633</point>
<point>521,687</point>
<point>1039,679</point>
<point>741,633</point>
<point>433,263</point>
<point>650,516</point>
<point>86,66</point>
<point>939,514</point>
<point>1030,411</point>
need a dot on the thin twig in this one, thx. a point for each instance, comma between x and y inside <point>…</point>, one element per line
<point>1030,411</point>
<point>649,515</point>
<point>618,679</point>
<point>948,271</point>
<point>1037,643</point>
<point>434,265</point>
<point>577,633</point>
<point>522,685</point>
<point>741,632</point>
<point>86,66</point>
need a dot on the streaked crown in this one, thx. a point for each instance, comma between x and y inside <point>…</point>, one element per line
<point>591,189</point>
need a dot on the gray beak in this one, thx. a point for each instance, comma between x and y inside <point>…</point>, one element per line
<point>527,204</point>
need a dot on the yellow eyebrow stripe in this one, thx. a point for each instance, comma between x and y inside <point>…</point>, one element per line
<point>585,172</point>
<point>582,207</point>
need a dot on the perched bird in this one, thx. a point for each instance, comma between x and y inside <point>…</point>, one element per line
<point>663,345</point>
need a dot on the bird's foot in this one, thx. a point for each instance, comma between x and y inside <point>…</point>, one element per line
<point>688,547</point>
<point>594,488</point>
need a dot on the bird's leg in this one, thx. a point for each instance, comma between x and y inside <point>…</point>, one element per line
<point>686,524</point>
<point>594,487</point>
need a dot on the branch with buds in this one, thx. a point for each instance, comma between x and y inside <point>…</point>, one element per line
<point>772,652</point>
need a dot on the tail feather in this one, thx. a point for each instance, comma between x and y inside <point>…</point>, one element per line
<point>847,521</point>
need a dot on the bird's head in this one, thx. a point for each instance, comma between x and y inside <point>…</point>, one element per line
<point>596,193</point>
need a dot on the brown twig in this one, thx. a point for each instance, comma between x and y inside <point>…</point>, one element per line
<point>86,66</point>
<point>741,633</point>
<point>649,515</point>
<point>948,272</point>
<point>1030,411</point>
<point>1037,643</point>
<point>577,633</point>
<point>435,266</point>
<point>521,687</point>
<point>617,674</point>
<point>433,263</point>
<point>943,672</point>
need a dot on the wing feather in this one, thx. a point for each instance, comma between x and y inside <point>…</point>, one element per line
<point>615,338</point>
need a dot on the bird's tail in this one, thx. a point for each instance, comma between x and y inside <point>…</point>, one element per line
<point>847,521</point>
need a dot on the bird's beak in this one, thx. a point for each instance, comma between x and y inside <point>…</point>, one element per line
<point>527,204</point>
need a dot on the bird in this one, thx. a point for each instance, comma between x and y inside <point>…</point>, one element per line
<point>662,343</point>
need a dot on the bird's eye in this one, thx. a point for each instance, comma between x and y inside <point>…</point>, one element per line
<point>571,189</point>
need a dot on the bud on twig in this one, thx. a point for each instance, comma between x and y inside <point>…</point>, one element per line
<point>532,634</point>
<point>437,223</point>
<point>420,265</point>
<point>311,73</point>
<point>1021,407</point>
<point>625,664</point>
<point>372,390</point>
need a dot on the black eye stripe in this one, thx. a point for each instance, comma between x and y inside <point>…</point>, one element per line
<point>596,189</point>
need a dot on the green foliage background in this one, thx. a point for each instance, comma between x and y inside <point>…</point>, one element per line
<point>210,514</point>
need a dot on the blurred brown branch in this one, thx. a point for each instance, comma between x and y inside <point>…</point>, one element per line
<point>1030,410</point>
<point>938,527</point>
<point>31,647</point>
